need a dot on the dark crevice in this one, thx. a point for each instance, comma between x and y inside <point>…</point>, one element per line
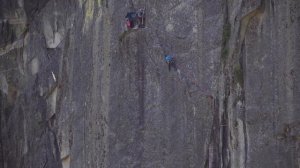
<point>56,153</point>
<point>245,134</point>
<point>224,128</point>
<point>213,152</point>
<point>225,36</point>
<point>106,3</point>
<point>225,158</point>
<point>242,98</point>
<point>48,125</point>
<point>273,8</point>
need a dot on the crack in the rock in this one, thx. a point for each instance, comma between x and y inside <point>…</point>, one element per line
<point>232,70</point>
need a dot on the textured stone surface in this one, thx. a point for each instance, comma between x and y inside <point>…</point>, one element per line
<point>78,93</point>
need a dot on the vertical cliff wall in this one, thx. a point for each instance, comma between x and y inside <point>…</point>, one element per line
<point>77,92</point>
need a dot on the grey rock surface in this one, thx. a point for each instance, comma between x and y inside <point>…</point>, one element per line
<point>78,92</point>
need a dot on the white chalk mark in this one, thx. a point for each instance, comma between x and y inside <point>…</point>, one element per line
<point>53,76</point>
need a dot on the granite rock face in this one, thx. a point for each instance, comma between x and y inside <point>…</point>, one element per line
<point>77,92</point>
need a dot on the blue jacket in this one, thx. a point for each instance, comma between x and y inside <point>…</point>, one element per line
<point>168,58</point>
<point>131,16</point>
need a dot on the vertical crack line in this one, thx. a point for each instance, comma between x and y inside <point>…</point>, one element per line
<point>213,155</point>
<point>243,111</point>
<point>225,37</point>
<point>56,146</point>
<point>240,62</point>
<point>242,98</point>
<point>246,142</point>
<point>46,162</point>
<point>224,130</point>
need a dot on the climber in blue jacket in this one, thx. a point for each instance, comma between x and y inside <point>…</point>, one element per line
<point>170,61</point>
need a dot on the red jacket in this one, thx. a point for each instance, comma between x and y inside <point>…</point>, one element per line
<point>128,24</point>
